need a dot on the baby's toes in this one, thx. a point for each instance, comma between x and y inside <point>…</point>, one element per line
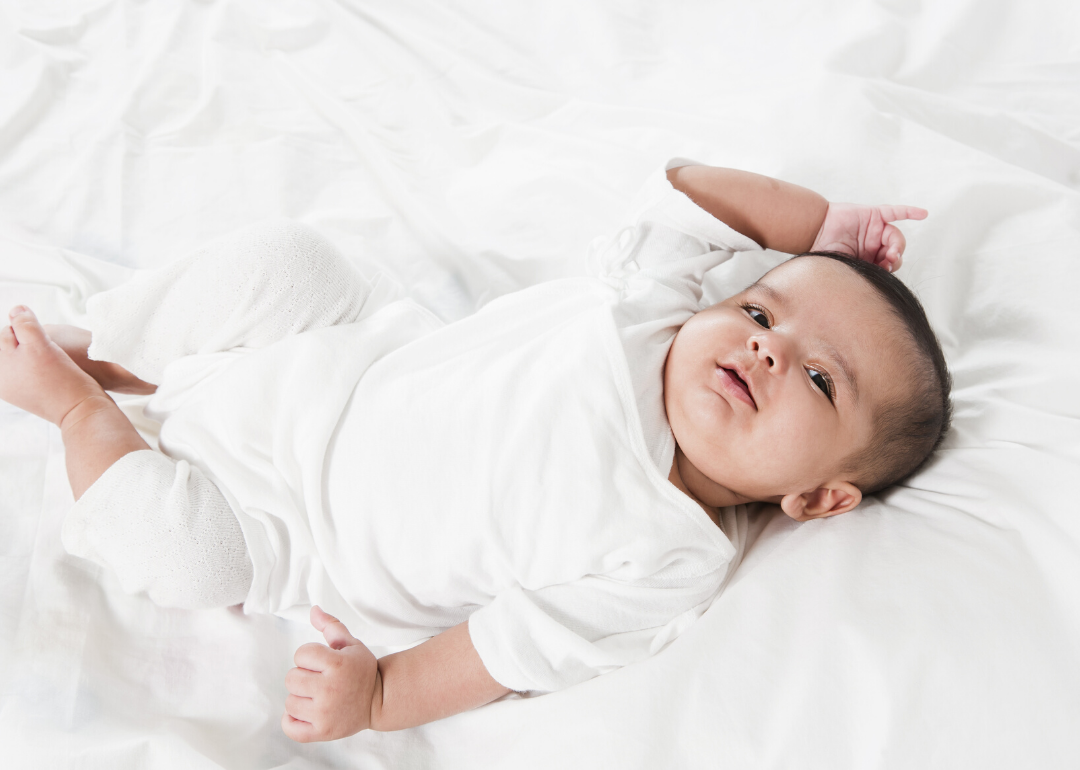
<point>26,326</point>
<point>7,339</point>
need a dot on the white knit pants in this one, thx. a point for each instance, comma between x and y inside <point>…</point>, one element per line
<point>161,525</point>
<point>164,529</point>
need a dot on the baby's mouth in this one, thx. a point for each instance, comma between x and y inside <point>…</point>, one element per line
<point>740,383</point>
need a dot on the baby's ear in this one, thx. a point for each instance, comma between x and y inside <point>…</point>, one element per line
<point>829,500</point>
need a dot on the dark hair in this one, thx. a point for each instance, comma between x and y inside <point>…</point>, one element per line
<point>907,430</point>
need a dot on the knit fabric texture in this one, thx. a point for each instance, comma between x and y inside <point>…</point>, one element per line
<point>161,525</point>
<point>246,289</point>
<point>163,528</point>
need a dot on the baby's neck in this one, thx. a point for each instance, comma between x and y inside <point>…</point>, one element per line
<point>701,489</point>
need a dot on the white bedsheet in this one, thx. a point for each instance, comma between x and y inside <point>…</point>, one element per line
<point>477,148</point>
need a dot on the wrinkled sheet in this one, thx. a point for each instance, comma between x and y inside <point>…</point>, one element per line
<point>475,148</point>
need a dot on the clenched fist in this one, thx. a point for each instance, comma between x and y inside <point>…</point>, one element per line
<point>332,687</point>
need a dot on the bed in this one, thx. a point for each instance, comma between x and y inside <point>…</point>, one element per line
<point>473,148</point>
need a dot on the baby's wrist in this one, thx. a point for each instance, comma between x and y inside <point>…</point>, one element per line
<point>375,704</point>
<point>818,237</point>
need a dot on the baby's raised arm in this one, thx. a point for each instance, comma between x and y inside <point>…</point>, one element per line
<point>340,688</point>
<point>785,217</point>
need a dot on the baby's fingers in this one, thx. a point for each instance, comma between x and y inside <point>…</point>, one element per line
<point>297,729</point>
<point>303,709</point>
<point>314,657</point>
<point>897,213</point>
<point>893,244</point>
<point>337,635</point>
<point>302,682</point>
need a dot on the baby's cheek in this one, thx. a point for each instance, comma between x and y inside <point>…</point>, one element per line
<point>698,422</point>
<point>800,453</point>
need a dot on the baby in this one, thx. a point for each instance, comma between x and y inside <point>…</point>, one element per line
<point>541,492</point>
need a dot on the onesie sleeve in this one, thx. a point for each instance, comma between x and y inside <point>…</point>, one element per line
<point>539,641</point>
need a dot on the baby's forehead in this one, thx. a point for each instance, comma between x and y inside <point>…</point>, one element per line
<point>803,273</point>
<point>810,281</point>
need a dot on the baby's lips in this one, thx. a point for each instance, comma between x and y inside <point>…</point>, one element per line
<point>733,380</point>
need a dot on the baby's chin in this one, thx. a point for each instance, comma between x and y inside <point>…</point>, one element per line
<point>709,477</point>
<point>702,483</point>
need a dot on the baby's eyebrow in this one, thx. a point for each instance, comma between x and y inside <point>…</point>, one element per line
<point>768,291</point>
<point>846,371</point>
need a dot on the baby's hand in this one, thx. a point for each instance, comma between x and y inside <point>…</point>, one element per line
<point>331,690</point>
<point>865,232</point>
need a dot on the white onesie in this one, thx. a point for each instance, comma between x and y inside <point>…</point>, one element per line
<point>509,469</point>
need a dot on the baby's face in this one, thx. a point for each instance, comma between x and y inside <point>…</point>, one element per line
<point>769,392</point>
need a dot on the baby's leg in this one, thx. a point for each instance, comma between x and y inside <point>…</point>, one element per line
<point>36,375</point>
<point>163,527</point>
<point>246,289</point>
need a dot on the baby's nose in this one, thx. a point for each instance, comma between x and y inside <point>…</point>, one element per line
<point>770,352</point>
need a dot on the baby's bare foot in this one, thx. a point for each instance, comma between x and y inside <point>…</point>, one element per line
<point>76,342</point>
<point>36,375</point>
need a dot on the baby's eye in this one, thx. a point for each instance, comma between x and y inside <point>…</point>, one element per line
<point>822,381</point>
<point>758,315</point>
